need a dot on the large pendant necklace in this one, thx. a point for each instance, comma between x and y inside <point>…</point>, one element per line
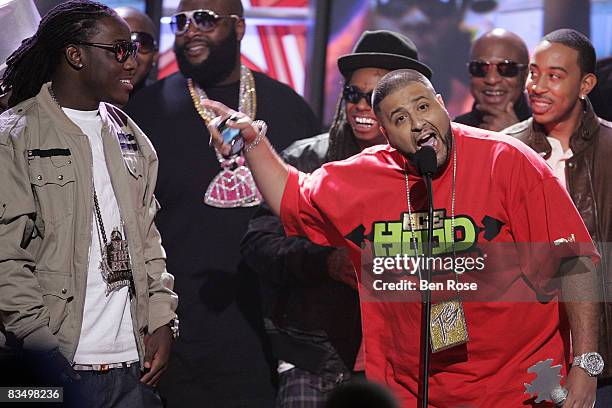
<point>448,326</point>
<point>234,186</point>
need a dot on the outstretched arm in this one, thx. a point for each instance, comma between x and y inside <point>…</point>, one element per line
<point>269,171</point>
<point>581,301</point>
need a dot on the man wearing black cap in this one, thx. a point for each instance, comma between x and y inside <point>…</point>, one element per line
<point>312,316</point>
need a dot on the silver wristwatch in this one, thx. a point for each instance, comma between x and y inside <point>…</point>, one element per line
<point>591,362</point>
<point>174,327</point>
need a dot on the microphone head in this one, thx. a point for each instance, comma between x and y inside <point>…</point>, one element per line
<point>425,161</point>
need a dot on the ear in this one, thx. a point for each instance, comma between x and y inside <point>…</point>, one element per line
<point>587,84</point>
<point>440,100</point>
<point>73,57</point>
<point>240,28</point>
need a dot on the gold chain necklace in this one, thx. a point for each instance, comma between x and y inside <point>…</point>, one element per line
<point>448,326</point>
<point>247,97</point>
<point>234,186</point>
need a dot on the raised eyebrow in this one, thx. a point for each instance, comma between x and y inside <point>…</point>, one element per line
<point>559,69</point>
<point>412,101</point>
<point>396,110</point>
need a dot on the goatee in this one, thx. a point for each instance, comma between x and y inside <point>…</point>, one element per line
<point>220,63</point>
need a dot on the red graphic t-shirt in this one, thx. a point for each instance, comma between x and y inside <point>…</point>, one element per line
<point>510,212</point>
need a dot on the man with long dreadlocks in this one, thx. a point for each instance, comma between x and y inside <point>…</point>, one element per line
<point>84,294</point>
<point>312,317</point>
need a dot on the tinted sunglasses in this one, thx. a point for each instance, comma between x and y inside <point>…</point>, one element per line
<point>146,42</point>
<point>122,49</point>
<point>204,20</point>
<point>353,95</point>
<point>504,68</point>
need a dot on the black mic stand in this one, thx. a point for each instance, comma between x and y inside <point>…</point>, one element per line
<point>426,163</point>
<point>426,298</point>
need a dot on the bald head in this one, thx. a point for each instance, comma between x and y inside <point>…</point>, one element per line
<point>143,30</point>
<point>395,80</point>
<point>137,20</point>
<point>218,6</point>
<point>506,42</point>
<point>498,87</point>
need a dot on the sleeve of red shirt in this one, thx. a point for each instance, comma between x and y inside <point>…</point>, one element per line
<point>546,226</point>
<point>300,216</point>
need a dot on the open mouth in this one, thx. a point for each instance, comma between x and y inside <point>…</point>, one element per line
<point>539,106</point>
<point>494,96</point>
<point>428,140</point>
<point>195,49</point>
<point>363,122</point>
<point>494,93</point>
<point>127,83</point>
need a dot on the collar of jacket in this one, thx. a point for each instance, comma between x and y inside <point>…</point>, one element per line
<point>579,141</point>
<point>109,114</point>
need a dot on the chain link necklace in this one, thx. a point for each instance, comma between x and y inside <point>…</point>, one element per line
<point>447,326</point>
<point>115,264</point>
<point>234,186</point>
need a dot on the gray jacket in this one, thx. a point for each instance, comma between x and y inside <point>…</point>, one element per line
<point>46,217</point>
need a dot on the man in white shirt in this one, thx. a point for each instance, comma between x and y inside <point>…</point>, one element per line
<point>84,294</point>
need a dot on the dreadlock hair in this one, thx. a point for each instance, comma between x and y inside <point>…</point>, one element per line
<point>35,61</point>
<point>342,140</point>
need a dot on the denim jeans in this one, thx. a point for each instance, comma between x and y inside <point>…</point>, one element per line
<point>117,387</point>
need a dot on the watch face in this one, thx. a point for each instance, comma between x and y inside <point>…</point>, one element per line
<point>593,363</point>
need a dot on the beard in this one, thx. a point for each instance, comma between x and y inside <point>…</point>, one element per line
<point>220,63</point>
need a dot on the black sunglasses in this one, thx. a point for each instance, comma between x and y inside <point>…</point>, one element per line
<point>146,42</point>
<point>353,95</point>
<point>504,68</point>
<point>122,49</point>
<point>204,20</point>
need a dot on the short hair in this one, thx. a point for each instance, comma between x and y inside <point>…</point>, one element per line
<point>36,60</point>
<point>395,80</point>
<point>579,42</point>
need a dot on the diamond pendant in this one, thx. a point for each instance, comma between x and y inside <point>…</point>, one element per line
<point>233,187</point>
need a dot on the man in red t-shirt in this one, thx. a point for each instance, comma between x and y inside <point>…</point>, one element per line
<point>495,202</point>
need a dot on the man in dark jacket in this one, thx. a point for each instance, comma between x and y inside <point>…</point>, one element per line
<point>577,145</point>
<point>498,69</point>
<point>207,202</point>
<point>311,305</point>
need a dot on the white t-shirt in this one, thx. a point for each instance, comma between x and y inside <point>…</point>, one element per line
<point>557,159</point>
<point>107,335</point>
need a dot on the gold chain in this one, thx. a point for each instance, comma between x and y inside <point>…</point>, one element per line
<point>247,102</point>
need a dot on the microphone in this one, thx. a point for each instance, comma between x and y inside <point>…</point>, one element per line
<point>425,161</point>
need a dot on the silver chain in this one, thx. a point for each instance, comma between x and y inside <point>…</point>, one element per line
<point>453,191</point>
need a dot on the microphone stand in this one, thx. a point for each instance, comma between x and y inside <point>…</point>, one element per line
<point>425,162</point>
<point>426,298</point>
